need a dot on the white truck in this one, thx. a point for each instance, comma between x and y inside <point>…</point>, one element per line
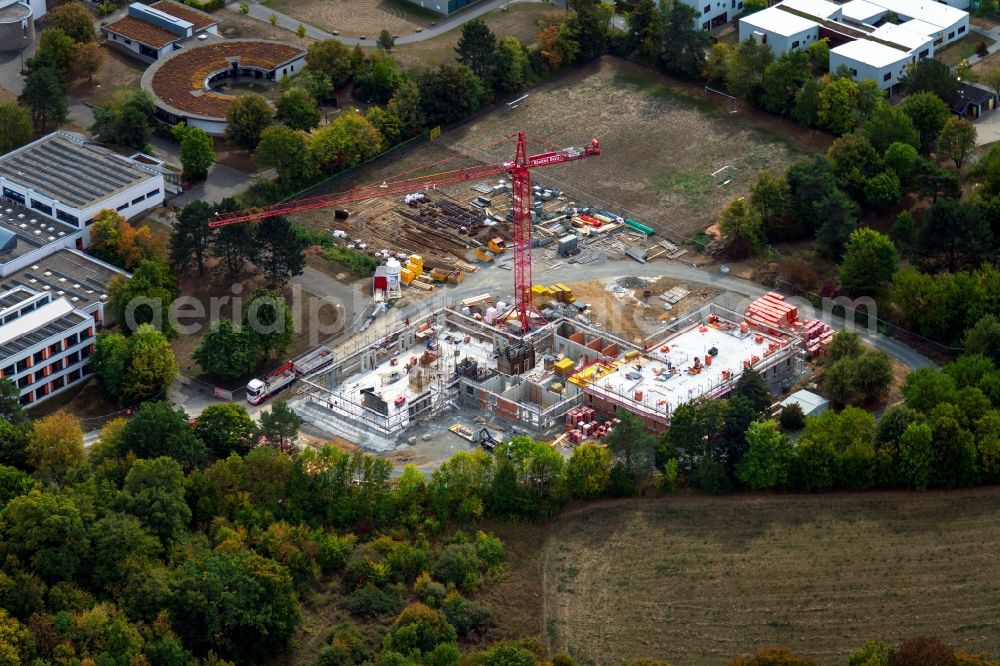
<point>262,388</point>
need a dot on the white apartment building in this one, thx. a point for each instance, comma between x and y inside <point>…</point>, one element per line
<point>713,13</point>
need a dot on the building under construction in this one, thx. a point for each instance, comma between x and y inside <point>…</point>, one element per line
<point>451,359</point>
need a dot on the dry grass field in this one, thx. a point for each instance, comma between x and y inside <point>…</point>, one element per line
<point>697,580</point>
<point>661,140</point>
<point>357,18</point>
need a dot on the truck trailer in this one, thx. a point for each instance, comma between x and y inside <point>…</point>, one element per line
<point>262,388</point>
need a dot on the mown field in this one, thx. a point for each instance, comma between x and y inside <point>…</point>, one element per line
<point>697,580</point>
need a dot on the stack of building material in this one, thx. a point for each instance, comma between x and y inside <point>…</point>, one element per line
<point>772,311</point>
<point>564,367</point>
<point>816,335</point>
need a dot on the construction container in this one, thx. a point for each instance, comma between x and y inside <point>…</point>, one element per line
<point>418,261</point>
<point>439,274</point>
<point>497,245</point>
<point>483,254</point>
<point>406,276</point>
<point>564,367</point>
<point>456,277</point>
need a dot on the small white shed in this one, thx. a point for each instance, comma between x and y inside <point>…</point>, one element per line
<point>811,404</point>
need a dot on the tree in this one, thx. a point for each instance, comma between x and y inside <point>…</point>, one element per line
<point>925,389</point>
<point>923,651</point>
<point>406,104</point>
<point>191,237</point>
<point>88,60</point>
<point>45,96</point>
<point>792,418</point>
<point>279,427</point>
<point>57,49</point>
<point>928,113</point>
<point>952,236</point>
<point>840,215</point>
<point>273,20</point>
<point>282,250</point>
<point>227,351</point>
<point>235,245</point>
<point>935,181</point>
<point>46,532</point>
<point>110,361</point>
<point>632,446</point>
<point>782,81</point>
<point>854,162</point>
<point>376,78</point>
<point>957,139</point>
<point>509,654</point>
<point>752,386</point>
<point>684,52</point>
<point>838,105</point>
<point>984,338</point>
<point>645,25</point>
<point>197,150</point>
<point>15,127</point>
<point>244,7</point>
<point>153,492</point>
<point>903,159</point>
<point>449,93</point>
<point>156,430</point>
<point>297,109</point>
<point>145,298</point>
<point>151,365</point>
<point>741,228</point>
<point>300,32</point>
<point>387,123</point>
<point>806,108</point>
<point>773,657</point>
<point>113,538</point>
<point>932,76</point>
<point>888,125</point>
<point>418,631</point>
<point>511,63</point>
<point>883,190</point>
<point>385,40</point>
<point>226,429</point>
<point>286,151</point>
<point>115,240</point>
<point>588,471</point>
<point>331,57</point>
<point>745,70</point>
<point>316,82</point>
<point>809,183</point>
<point>13,442</point>
<point>246,118</point>
<point>772,199</point>
<point>347,141</point>
<point>55,446</point>
<point>74,20</point>
<point>559,44</point>
<point>11,410</point>
<point>270,320</point>
<point>860,379</point>
<point>769,457</point>
<point>870,260</point>
<point>126,120</point>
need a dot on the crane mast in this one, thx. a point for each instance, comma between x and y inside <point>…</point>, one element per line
<point>519,170</point>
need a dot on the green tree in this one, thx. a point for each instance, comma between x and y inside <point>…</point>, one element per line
<point>316,82</point>
<point>246,118</point>
<point>145,298</point>
<point>74,20</point>
<point>683,53</point>
<point>126,120</point>
<point>904,232</point>
<point>45,96</point>
<point>865,378</point>
<point>235,245</point>
<point>768,458</point>
<point>418,631</point>
<point>46,532</point>
<point>286,151</point>
<point>888,125</point>
<point>870,260</point>
<point>782,81</point>
<point>957,139</point>
<point>154,493</point>
<point>270,319</point>
<point>297,109</point>
<point>925,389</point>
<point>742,229</point>
<point>56,48</point>
<point>156,430</point>
<point>377,78</point>
<point>928,113</point>
<point>932,76</point>
<point>632,445</point>
<point>809,182</point>
<point>511,60</point>
<point>191,237</point>
<point>838,105</point>
<point>197,150</point>
<point>745,72</point>
<point>281,251</point>
<point>588,471</point>
<point>15,127</point>
<point>883,190</point>
<point>509,654</point>
<point>227,351</point>
<point>449,93</point>
<point>331,57</point>
<point>984,338</point>
<point>110,361</point>
<point>952,237</point>
<point>347,141</point>
<point>406,104</point>
<point>476,49</point>
<point>225,429</point>
<point>13,439</point>
<point>385,40</point>
<point>113,538</point>
<point>279,427</point>
<point>806,108</point>
<point>151,365</point>
<point>840,218</point>
<point>55,446</point>
<point>854,162</point>
<point>645,24</point>
<point>238,604</point>
<point>751,385</point>
<point>593,17</point>
<point>11,410</point>
<point>753,6</point>
<point>903,159</point>
<point>772,199</point>
<point>387,123</point>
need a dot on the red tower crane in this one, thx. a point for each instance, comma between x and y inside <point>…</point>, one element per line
<point>519,170</point>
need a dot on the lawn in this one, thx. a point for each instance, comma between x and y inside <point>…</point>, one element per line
<point>964,48</point>
<point>697,580</point>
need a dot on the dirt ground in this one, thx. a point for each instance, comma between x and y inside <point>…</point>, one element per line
<point>697,580</point>
<point>117,71</point>
<point>522,21</point>
<point>358,18</point>
<point>661,141</point>
<point>235,25</point>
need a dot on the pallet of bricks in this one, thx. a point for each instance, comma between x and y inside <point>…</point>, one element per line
<point>581,424</point>
<point>817,336</point>
<point>772,310</point>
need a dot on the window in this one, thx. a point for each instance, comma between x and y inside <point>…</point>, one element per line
<point>740,5</point>
<point>38,357</point>
<point>122,207</point>
<point>57,365</point>
<point>114,37</point>
<point>58,383</point>
<point>951,35</point>
<point>22,365</point>
<point>66,217</point>
<point>795,44</point>
<point>138,200</point>
<point>89,222</point>
<point>923,54</point>
<point>23,381</point>
<point>73,376</point>
<point>7,372</point>
<point>705,25</point>
<point>11,194</point>
<point>72,340</point>
<point>128,41</point>
<point>854,72</point>
<point>961,30</point>
<point>708,8</point>
<point>148,52</point>
<point>152,193</point>
<point>888,75</point>
<point>25,399</point>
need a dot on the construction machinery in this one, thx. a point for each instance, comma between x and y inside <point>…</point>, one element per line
<point>260,389</point>
<point>519,171</point>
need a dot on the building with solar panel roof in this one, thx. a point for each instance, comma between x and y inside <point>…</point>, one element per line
<point>65,178</point>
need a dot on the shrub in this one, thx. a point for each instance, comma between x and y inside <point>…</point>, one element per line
<point>429,591</point>
<point>489,549</point>
<point>779,656</point>
<point>923,651</point>
<point>334,551</point>
<point>371,601</point>
<point>466,616</point>
<point>460,565</point>
<point>712,477</point>
<point>792,418</point>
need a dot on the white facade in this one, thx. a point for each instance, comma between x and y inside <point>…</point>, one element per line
<point>866,59</point>
<point>781,30</point>
<point>137,47</point>
<point>45,344</point>
<point>713,13</point>
<point>943,22</point>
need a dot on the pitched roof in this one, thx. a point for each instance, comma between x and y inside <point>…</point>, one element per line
<point>967,94</point>
<point>140,31</point>
<point>200,19</point>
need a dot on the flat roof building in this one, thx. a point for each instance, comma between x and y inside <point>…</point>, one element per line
<point>67,178</point>
<point>150,32</point>
<point>27,237</point>
<point>45,343</point>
